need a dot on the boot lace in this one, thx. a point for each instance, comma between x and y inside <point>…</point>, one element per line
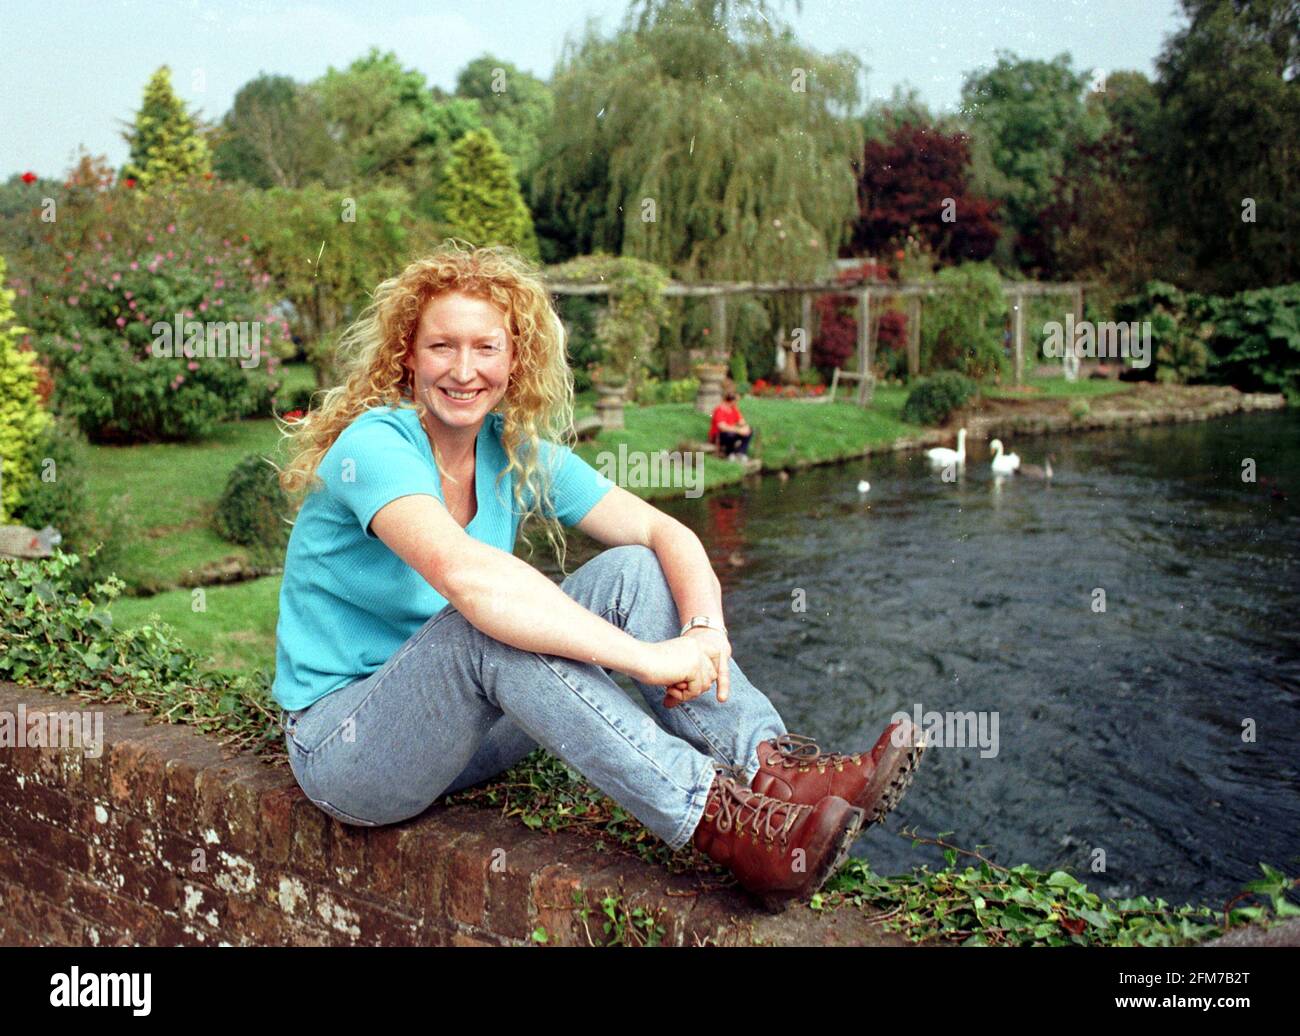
<point>797,748</point>
<point>769,818</point>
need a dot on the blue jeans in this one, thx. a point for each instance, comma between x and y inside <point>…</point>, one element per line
<point>453,708</point>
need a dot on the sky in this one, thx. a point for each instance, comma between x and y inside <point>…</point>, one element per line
<point>74,72</point>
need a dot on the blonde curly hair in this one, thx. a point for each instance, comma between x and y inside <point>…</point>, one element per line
<point>538,403</point>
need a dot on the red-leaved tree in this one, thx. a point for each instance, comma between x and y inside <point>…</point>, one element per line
<point>915,181</point>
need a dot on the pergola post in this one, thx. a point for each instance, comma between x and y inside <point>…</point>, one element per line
<point>864,331</point>
<point>913,336</point>
<point>805,325</point>
<point>1018,300</point>
<point>718,318</point>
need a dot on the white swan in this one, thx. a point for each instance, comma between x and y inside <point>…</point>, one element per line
<point>941,456</point>
<point>1003,464</point>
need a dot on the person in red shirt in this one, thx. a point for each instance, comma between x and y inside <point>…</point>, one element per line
<point>729,428</point>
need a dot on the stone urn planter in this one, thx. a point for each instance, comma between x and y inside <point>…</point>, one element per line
<point>609,404</point>
<point>710,392</point>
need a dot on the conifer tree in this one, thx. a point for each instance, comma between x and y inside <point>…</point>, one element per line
<point>21,415</point>
<point>479,196</point>
<point>165,143</point>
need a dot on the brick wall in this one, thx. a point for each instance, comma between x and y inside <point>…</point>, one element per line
<point>168,839</point>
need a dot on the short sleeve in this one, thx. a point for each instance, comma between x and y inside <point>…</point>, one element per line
<point>371,464</point>
<point>576,486</point>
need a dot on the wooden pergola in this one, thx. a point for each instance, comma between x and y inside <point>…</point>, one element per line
<point>866,292</point>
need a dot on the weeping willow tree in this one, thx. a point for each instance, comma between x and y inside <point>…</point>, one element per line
<point>705,139</point>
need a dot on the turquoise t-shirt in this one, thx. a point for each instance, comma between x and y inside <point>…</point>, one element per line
<point>347,602</point>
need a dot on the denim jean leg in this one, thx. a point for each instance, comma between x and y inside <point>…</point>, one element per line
<point>626,586</point>
<point>502,746</point>
<point>577,712</point>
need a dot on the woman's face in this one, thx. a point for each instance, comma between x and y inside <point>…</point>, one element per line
<point>461,359</point>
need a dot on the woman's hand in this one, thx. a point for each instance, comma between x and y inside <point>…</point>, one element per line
<point>683,664</point>
<point>718,648</point>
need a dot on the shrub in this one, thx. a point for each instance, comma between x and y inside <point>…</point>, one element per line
<point>962,325</point>
<point>21,415</point>
<point>65,642</point>
<point>106,318</point>
<point>57,495</point>
<point>1255,340</point>
<point>934,399</point>
<point>253,508</point>
<point>627,328</point>
<point>739,369</point>
<point>652,391</point>
<point>1179,331</point>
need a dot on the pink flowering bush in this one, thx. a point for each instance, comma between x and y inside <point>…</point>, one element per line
<point>110,319</point>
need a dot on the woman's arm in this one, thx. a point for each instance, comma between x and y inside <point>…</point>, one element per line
<point>532,614</point>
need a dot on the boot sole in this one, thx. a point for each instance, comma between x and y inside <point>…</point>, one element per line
<point>776,902</point>
<point>893,777</point>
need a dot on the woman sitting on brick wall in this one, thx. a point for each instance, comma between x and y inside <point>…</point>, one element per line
<point>416,655</point>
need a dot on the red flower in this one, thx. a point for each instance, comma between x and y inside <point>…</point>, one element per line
<point>293,415</point>
<point>29,177</point>
<point>129,181</point>
<point>899,254</point>
<point>759,385</point>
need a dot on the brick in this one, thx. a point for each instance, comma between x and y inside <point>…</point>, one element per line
<point>384,877</point>
<point>92,903</point>
<point>51,805</point>
<point>554,907</point>
<point>60,847</point>
<point>183,931</point>
<point>362,923</point>
<point>461,939</point>
<point>436,934</point>
<point>252,924</point>
<point>425,862</point>
<point>347,855</point>
<point>135,776</point>
<point>510,877</point>
<point>275,823</point>
<point>244,807</point>
<point>34,873</point>
<point>39,921</point>
<point>145,882</point>
<point>466,889</point>
<point>310,853</point>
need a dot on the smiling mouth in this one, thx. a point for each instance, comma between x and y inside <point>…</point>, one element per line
<point>460,397</point>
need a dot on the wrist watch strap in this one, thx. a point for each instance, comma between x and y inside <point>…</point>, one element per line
<point>703,620</point>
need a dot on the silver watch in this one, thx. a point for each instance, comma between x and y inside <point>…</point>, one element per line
<point>703,620</point>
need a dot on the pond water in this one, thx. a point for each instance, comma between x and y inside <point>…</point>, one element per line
<point>1118,730</point>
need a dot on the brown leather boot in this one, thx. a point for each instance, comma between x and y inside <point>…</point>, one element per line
<point>793,768</point>
<point>778,851</point>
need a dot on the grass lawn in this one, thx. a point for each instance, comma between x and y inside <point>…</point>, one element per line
<point>236,629</point>
<point>1059,388</point>
<point>168,492</point>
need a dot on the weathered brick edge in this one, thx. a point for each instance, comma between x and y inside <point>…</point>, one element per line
<point>168,839</point>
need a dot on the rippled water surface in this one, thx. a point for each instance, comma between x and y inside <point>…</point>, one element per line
<point>1119,731</point>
